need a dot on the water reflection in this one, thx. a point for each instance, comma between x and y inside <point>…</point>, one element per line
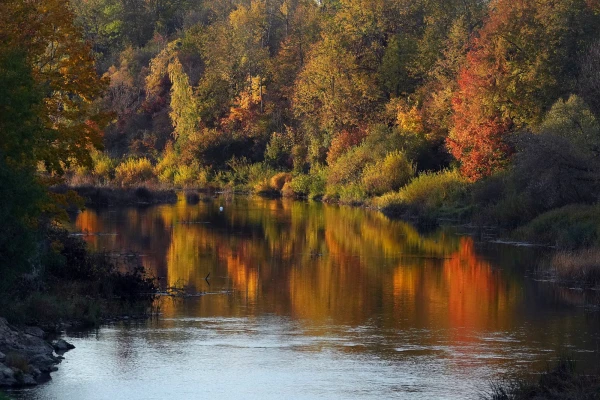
<point>313,262</point>
<point>350,280</point>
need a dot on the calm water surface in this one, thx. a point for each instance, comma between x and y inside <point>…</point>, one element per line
<point>308,301</point>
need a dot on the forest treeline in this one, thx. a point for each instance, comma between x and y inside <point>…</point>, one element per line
<point>462,108</point>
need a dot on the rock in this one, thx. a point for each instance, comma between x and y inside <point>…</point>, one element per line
<point>28,380</point>
<point>7,380</point>
<point>62,345</point>
<point>12,339</point>
<point>44,362</point>
<point>34,331</point>
<point>2,356</point>
<point>6,372</point>
<point>35,372</point>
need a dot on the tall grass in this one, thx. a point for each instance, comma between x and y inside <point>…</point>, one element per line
<point>581,267</point>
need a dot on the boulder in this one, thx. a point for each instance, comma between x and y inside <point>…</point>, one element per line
<point>61,345</point>
<point>28,380</point>
<point>34,331</point>
<point>31,351</point>
<point>7,377</point>
<point>6,372</point>
<point>44,362</point>
<point>12,339</point>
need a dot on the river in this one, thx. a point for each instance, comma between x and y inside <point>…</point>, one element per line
<point>311,301</point>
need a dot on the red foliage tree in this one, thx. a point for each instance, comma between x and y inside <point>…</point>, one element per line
<point>521,62</point>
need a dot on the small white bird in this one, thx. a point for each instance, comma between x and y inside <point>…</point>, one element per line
<point>221,209</point>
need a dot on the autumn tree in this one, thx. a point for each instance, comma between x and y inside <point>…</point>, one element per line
<point>48,83</point>
<point>63,70</point>
<point>522,60</point>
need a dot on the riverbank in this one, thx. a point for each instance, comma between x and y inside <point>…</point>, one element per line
<point>27,356</point>
<point>70,289</point>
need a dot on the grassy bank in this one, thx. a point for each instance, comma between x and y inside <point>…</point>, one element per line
<point>561,383</point>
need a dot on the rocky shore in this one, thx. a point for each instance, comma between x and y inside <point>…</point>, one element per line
<point>26,356</point>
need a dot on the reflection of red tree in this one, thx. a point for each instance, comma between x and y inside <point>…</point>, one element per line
<point>465,292</point>
<point>473,288</point>
<point>88,222</point>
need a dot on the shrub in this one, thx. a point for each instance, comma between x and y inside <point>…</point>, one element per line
<point>318,182</point>
<point>166,168</point>
<point>343,142</point>
<point>299,186</point>
<point>352,194</point>
<point>307,185</point>
<point>104,167</point>
<point>279,180</point>
<point>391,173</point>
<point>429,193</point>
<point>299,155</point>
<point>134,171</point>
<point>348,167</point>
<point>190,175</point>
<point>258,173</point>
